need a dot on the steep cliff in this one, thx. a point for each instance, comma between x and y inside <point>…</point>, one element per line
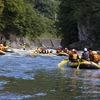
<point>85,35</point>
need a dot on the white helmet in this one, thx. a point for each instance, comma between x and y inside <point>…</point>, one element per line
<point>85,49</point>
<point>94,52</point>
<point>1,44</point>
<point>73,50</point>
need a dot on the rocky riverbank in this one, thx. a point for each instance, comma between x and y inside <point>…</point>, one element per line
<point>17,42</point>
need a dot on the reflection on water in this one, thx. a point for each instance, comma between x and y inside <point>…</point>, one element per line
<point>26,78</point>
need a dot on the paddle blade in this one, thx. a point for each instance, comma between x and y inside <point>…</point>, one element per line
<point>6,47</point>
<point>78,65</point>
<point>62,62</point>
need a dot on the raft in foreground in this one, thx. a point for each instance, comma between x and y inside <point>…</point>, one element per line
<point>2,52</point>
<point>83,65</point>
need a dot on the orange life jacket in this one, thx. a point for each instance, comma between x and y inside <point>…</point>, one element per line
<point>96,57</point>
<point>2,48</point>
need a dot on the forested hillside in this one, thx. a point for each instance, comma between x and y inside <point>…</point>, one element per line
<point>28,18</point>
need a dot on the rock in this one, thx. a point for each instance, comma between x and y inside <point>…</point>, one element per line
<point>42,42</point>
<point>80,45</point>
<point>17,42</point>
<point>50,42</point>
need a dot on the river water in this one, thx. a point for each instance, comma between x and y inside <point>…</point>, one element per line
<point>26,78</point>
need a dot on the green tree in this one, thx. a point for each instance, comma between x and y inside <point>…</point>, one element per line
<point>67,25</point>
<point>13,16</point>
<point>1,10</point>
<point>48,8</point>
<point>87,12</point>
<point>32,26</point>
<point>47,19</point>
<point>1,6</point>
<point>19,17</point>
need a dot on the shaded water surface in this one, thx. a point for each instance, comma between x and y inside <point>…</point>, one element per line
<point>27,78</point>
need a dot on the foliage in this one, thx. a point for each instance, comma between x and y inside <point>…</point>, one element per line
<point>1,6</point>
<point>73,11</point>
<point>1,10</point>
<point>67,25</point>
<point>48,8</point>
<point>20,17</point>
<point>33,25</point>
<point>13,15</point>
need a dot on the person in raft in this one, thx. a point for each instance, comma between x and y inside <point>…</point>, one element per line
<point>85,54</point>
<point>74,56</point>
<point>95,57</point>
<point>59,49</point>
<point>2,47</point>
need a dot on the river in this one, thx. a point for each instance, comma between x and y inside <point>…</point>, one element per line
<point>25,78</point>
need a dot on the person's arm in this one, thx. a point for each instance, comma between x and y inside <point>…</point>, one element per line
<point>82,56</point>
<point>92,58</point>
<point>77,56</point>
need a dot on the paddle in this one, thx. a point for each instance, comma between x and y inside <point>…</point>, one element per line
<point>6,47</point>
<point>62,62</point>
<point>78,64</point>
